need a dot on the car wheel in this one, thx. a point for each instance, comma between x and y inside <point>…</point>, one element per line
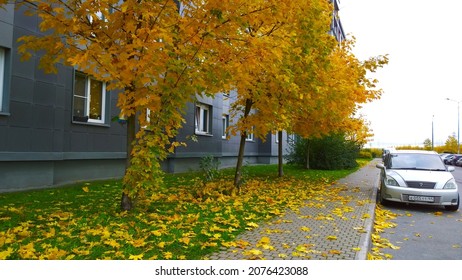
<point>380,198</point>
<point>453,207</point>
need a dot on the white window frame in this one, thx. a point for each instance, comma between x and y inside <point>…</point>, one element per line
<point>2,76</point>
<point>88,81</point>
<point>225,123</point>
<point>202,119</point>
<point>250,137</point>
<point>291,138</point>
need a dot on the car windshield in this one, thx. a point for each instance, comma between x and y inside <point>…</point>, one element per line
<point>416,161</point>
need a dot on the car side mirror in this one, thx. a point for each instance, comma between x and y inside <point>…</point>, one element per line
<point>380,165</point>
<point>451,168</point>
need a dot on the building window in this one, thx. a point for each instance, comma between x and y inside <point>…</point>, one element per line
<point>225,121</point>
<point>2,77</point>
<point>202,119</point>
<point>89,99</point>
<point>249,137</point>
<point>291,138</point>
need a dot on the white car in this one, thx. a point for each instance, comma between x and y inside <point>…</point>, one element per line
<point>418,177</point>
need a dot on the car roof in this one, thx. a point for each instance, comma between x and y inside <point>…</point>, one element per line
<point>414,152</point>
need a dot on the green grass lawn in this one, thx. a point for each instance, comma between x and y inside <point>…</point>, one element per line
<point>185,219</point>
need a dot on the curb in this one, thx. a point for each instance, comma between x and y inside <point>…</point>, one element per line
<point>366,240</point>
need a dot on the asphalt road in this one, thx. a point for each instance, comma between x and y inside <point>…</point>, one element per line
<point>426,232</point>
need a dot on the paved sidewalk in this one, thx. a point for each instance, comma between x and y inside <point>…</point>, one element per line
<point>337,230</point>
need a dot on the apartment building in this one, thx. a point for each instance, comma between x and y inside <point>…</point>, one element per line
<point>56,128</point>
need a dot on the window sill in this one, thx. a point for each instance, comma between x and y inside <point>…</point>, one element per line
<point>199,133</point>
<point>5,114</point>
<point>91,124</point>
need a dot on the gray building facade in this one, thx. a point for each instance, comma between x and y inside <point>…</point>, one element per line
<point>56,129</point>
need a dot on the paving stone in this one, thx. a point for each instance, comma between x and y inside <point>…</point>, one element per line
<point>286,238</point>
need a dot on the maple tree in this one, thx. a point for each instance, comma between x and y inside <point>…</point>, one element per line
<point>266,82</point>
<point>158,54</point>
<point>335,94</point>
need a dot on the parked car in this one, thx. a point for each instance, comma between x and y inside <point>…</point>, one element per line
<point>448,159</point>
<point>445,155</point>
<point>454,159</point>
<point>417,177</point>
<point>386,151</point>
<point>459,162</point>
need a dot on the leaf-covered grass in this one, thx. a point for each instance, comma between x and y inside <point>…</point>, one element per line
<point>185,219</point>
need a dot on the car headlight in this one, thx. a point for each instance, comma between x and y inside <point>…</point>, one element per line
<point>450,185</point>
<point>390,181</point>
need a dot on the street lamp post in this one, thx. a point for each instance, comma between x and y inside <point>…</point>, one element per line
<point>433,134</point>
<point>458,121</point>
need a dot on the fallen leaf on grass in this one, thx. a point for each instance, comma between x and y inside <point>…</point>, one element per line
<point>136,257</point>
<point>6,254</point>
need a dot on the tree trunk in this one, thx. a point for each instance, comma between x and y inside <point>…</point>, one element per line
<point>280,156</point>
<point>126,202</point>
<point>240,157</point>
<point>240,161</point>
<point>307,166</point>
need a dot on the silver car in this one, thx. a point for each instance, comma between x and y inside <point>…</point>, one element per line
<point>418,177</point>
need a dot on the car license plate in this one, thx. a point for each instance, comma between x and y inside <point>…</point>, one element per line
<point>421,198</point>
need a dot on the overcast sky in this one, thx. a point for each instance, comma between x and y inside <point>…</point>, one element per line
<point>424,44</point>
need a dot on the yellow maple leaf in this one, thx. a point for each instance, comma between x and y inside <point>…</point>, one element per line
<point>302,248</point>
<point>439,213</point>
<point>254,252</point>
<point>112,243</point>
<point>156,232</point>
<point>357,249</point>
<point>6,254</point>
<point>331,237</point>
<point>185,240</point>
<point>27,251</point>
<point>335,252</point>
<point>252,225</point>
<point>81,252</point>
<point>305,229</point>
<point>135,257</point>
<point>282,256</point>
<point>138,242</point>
<point>50,234</point>
<point>265,240</point>
<point>54,254</point>
<point>85,189</point>
<point>168,255</point>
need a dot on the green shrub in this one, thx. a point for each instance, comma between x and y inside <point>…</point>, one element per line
<point>209,167</point>
<point>331,152</point>
<point>365,154</point>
